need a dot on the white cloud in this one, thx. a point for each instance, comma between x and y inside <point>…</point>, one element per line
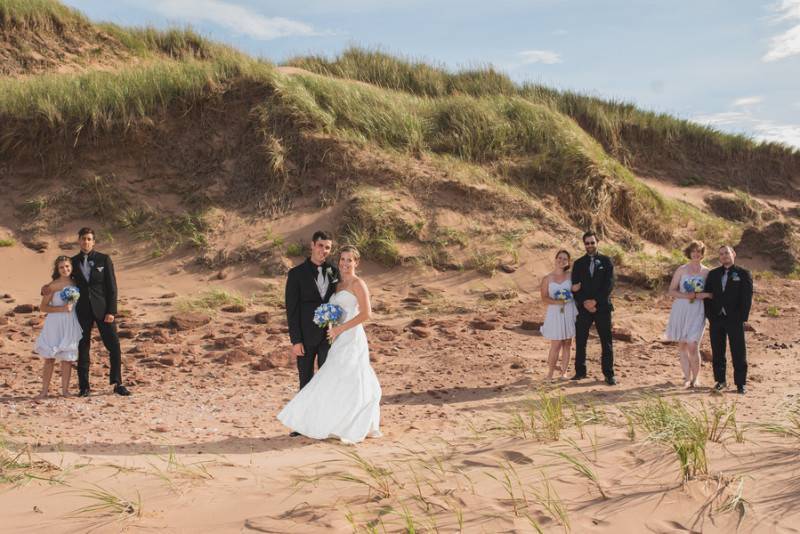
<point>748,101</point>
<point>788,134</point>
<point>548,57</point>
<point>725,118</point>
<point>760,129</point>
<point>788,43</point>
<point>237,18</point>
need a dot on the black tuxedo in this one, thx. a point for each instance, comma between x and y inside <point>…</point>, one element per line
<point>727,310</point>
<point>98,298</point>
<point>302,299</point>
<point>595,285</point>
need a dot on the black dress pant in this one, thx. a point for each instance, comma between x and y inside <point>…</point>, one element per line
<point>305,363</point>
<point>733,331</point>
<point>602,321</point>
<point>108,333</point>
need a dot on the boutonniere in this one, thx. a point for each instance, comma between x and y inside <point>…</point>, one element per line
<point>735,277</point>
<point>329,274</point>
<point>91,262</point>
<point>597,261</point>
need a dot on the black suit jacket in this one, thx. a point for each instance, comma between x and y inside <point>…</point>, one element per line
<point>736,299</point>
<point>597,287</point>
<point>99,293</point>
<point>302,299</point>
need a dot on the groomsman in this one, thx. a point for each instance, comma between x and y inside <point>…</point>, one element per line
<point>595,274</point>
<point>727,310</point>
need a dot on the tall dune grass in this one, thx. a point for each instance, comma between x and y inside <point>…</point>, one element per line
<point>39,15</point>
<point>37,107</point>
<point>631,134</point>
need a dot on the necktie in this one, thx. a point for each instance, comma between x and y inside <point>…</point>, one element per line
<point>591,266</point>
<point>724,282</point>
<point>85,267</point>
<point>322,283</point>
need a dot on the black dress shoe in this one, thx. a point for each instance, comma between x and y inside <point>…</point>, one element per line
<point>119,389</point>
<point>611,381</point>
<point>294,434</point>
<point>740,390</point>
<point>576,376</point>
<point>720,386</point>
<point>84,393</point>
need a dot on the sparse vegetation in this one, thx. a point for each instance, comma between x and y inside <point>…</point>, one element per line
<point>7,242</point>
<point>295,249</point>
<point>211,301</point>
<point>686,430</point>
<point>108,504</point>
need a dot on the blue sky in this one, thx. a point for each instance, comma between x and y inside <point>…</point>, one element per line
<point>734,64</point>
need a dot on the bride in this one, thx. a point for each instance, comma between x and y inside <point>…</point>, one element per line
<point>342,400</point>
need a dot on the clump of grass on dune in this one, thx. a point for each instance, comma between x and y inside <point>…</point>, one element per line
<point>417,77</point>
<point>178,43</point>
<point>211,301</point>
<point>687,431</point>
<point>108,504</point>
<point>39,15</point>
<point>75,104</point>
<point>374,225</point>
<point>630,134</point>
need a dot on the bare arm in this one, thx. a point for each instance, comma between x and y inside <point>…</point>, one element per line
<point>544,291</point>
<point>674,289</point>
<point>47,308</point>
<point>364,314</point>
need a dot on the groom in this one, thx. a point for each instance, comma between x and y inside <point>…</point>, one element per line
<point>94,274</point>
<point>595,274</point>
<point>309,285</point>
<point>727,310</point>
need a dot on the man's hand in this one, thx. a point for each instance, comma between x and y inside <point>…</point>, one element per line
<point>108,318</point>
<point>298,350</point>
<point>591,308</point>
<point>590,302</point>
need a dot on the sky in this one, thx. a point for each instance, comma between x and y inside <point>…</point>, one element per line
<point>732,64</point>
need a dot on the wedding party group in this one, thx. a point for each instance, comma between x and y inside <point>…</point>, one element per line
<point>327,304</point>
<point>579,295</point>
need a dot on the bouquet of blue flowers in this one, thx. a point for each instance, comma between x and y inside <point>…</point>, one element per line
<point>328,314</point>
<point>70,295</point>
<point>694,285</point>
<point>564,296</point>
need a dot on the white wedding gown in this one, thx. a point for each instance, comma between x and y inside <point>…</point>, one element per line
<point>343,398</point>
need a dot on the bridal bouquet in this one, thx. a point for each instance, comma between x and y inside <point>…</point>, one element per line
<point>70,295</point>
<point>564,296</point>
<point>694,285</point>
<point>328,314</point>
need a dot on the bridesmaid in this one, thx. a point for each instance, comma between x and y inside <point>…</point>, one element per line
<point>687,318</point>
<point>559,320</point>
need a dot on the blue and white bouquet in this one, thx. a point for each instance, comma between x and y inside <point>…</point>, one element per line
<point>70,295</point>
<point>694,285</point>
<point>328,314</point>
<point>563,295</point>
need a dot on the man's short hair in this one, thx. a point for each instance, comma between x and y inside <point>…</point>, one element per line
<point>590,233</point>
<point>321,235</point>
<point>726,246</point>
<point>86,230</point>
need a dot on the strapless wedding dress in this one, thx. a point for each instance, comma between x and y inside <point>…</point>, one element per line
<point>343,399</point>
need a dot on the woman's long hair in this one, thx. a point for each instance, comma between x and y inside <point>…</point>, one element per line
<point>59,260</point>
